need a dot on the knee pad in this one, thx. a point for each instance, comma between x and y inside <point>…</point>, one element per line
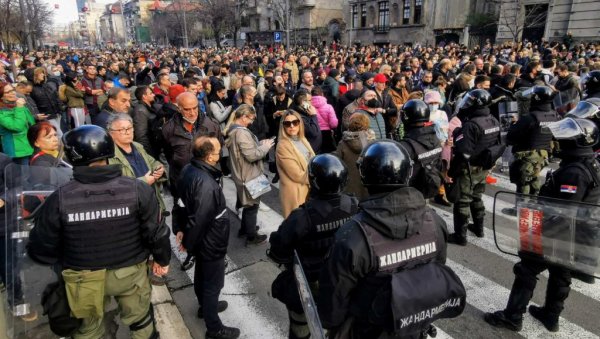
<point>144,322</point>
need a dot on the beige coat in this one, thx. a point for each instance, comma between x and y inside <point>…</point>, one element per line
<point>293,174</point>
<point>245,160</point>
<point>349,150</point>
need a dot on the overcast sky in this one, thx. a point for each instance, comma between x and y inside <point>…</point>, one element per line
<point>67,10</point>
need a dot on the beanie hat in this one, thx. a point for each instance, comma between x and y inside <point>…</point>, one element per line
<point>380,78</point>
<point>333,73</point>
<point>432,96</point>
<point>174,91</point>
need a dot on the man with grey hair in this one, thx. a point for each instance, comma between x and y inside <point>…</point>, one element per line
<point>307,81</point>
<point>119,101</point>
<point>178,134</point>
<point>371,107</point>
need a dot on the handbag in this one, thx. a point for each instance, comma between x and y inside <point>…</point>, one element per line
<point>257,186</point>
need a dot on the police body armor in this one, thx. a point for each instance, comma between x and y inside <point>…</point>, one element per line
<point>427,177</point>
<point>489,148</point>
<point>541,137</point>
<point>101,228</point>
<point>321,232</point>
<point>409,289</point>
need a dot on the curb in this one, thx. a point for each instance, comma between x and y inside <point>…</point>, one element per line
<point>169,322</point>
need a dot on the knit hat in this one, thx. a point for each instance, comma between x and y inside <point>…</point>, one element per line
<point>380,78</point>
<point>333,73</point>
<point>432,96</point>
<point>368,75</point>
<point>174,91</point>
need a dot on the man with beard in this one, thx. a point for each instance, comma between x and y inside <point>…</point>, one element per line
<point>371,107</point>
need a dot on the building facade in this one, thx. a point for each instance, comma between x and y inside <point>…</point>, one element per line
<point>137,15</point>
<point>89,13</point>
<point>549,20</point>
<point>410,22</point>
<point>112,25</point>
<point>310,21</point>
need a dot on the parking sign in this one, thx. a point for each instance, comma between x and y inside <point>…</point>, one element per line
<point>277,36</point>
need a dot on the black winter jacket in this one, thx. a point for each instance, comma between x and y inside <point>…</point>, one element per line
<point>396,215</point>
<point>142,118</point>
<point>46,100</point>
<point>206,233</point>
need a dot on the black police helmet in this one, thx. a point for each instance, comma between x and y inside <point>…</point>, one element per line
<point>385,163</point>
<point>591,81</point>
<point>477,98</point>
<point>327,174</point>
<point>539,94</point>
<point>575,132</point>
<point>86,144</point>
<point>414,111</point>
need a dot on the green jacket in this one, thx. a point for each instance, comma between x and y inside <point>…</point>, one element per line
<point>14,123</point>
<point>119,159</point>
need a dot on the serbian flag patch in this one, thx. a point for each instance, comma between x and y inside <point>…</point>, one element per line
<point>568,189</point>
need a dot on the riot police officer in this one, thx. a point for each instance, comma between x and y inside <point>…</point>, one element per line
<point>588,109</point>
<point>591,84</point>
<point>477,146</point>
<point>531,141</point>
<point>100,228</point>
<point>310,230</point>
<point>357,298</point>
<point>424,148</point>
<point>577,180</point>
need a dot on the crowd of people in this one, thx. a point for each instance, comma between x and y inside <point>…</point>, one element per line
<point>179,120</point>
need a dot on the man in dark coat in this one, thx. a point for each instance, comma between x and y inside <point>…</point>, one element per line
<point>206,232</point>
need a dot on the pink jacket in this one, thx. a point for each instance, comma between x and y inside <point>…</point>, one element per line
<point>325,113</point>
<point>453,124</point>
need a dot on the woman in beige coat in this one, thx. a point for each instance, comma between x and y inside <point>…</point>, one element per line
<point>293,153</point>
<point>246,155</point>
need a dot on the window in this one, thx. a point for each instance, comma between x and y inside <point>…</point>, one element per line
<point>384,14</point>
<point>354,15</point>
<point>363,15</point>
<point>418,10</point>
<point>406,16</point>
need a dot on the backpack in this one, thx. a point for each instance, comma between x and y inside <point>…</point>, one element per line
<point>429,179</point>
<point>62,95</point>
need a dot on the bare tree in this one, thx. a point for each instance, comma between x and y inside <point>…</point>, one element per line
<point>221,17</point>
<point>515,17</point>
<point>29,21</point>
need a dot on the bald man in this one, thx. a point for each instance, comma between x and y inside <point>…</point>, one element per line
<point>178,134</point>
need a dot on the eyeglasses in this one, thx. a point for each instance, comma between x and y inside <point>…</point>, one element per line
<point>290,123</point>
<point>123,130</point>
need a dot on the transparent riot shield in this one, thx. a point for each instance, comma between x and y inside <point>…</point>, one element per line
<point>555,231</point>
<point>308,303</point>
<point>25,190</point>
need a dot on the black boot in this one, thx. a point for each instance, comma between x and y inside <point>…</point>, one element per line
<point>224,333</point>
<point>457,239</point>
<point>477,230</point>
<point>499,319</point>
<point>550,321</point>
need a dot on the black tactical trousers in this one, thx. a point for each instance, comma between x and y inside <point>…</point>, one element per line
<point>526,273</point>
<point>209,279</point>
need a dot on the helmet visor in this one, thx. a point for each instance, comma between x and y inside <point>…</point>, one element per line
<point>467,101</point>
<point>565,129</point>
<point>584,110</point>
<point>528,93</point>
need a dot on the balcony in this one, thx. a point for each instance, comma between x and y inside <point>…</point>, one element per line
<point>380,29</point>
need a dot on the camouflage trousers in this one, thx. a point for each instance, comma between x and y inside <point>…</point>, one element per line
<point>469,204</point>
<point>525,170</point>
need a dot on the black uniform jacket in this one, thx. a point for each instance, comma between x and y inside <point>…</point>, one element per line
<point>206,233</point>
<point>397,215</point>
<point>45,239</point>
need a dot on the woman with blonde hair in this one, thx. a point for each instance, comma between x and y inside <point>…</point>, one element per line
<point>292,156</point>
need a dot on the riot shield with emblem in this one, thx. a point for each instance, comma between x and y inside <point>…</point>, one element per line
<point>555,231</point>
<point>308,303</point>
<point>25,190</point>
